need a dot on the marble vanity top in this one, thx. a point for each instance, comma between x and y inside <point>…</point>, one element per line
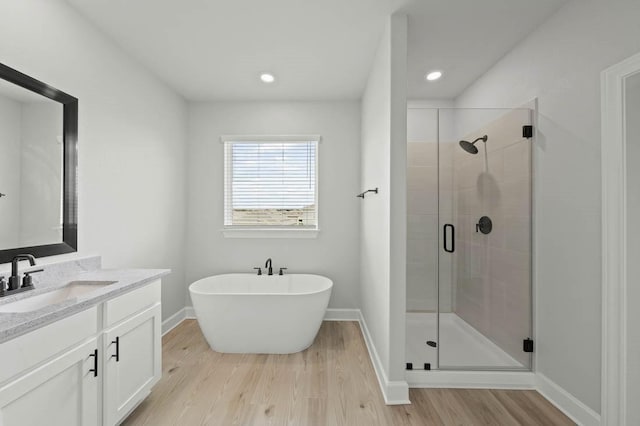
<point>13,324</point>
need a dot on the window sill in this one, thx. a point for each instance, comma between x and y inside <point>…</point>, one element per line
<point>270,233</point>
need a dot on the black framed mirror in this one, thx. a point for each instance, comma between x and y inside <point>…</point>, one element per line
<point>38,181</point>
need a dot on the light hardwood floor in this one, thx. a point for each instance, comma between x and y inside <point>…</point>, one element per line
<point>331,383</point>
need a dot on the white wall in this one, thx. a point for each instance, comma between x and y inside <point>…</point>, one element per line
<point>398,188</point>
<point>383,219</point>
<point>560,63</point>
<point>132,135</point>
<point>335,252</point>
<point>10,137</point>
<point>375,222</point>
<point>632,117</point>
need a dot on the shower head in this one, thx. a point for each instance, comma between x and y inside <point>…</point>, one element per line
<point>470,147</point>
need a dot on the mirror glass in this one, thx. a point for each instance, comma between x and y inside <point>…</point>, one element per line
<point>31,175</point>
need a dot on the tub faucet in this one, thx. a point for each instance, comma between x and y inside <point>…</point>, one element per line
<point>267,264</point>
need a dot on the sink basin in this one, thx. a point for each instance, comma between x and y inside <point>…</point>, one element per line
<point>69,291</point>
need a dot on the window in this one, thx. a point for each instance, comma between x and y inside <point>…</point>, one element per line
<point>270,183</point>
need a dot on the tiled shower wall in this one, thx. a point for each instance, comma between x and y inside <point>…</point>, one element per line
<point>493,287</point>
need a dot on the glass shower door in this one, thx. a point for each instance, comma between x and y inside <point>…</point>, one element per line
<point>484,260</point>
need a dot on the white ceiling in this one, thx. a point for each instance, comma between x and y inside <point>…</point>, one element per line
<point>318,49</point>
<point>216,49</point>
<point>464,38</point>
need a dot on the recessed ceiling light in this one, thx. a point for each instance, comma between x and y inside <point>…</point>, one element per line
<point>267,78</point>
<point>433,75</point>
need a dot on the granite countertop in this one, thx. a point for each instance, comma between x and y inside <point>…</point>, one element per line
<point>17,323</point>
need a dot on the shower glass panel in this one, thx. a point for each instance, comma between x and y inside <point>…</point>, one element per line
<point>422,237</point>
<point>484,253</point>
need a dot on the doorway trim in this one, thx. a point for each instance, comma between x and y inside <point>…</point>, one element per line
<point>614,241</point>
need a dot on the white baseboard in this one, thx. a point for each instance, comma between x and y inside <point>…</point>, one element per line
<point>471,379</point>
<point>342,315</point>
<point>567,403</point>
<point>394,392</point>
<point>173,321</point>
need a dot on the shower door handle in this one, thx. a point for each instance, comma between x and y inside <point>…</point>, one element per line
<point>453,238</point>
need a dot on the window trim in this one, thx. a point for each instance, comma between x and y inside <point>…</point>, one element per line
<point>270,138</point>
<point>270,233</point>
<point>240,231</point>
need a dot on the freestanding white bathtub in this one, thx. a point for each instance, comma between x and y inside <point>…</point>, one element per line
<point>250,313</point>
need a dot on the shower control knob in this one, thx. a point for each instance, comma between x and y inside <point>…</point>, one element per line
<point>484,225</point>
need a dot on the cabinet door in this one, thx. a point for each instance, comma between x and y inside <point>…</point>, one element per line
<point>133,363</point>
<point>63,391</point>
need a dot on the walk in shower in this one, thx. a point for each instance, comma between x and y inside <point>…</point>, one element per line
<point>469,177</point>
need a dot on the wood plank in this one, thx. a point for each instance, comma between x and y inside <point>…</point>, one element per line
<point>531,408</point>
<point>331,383</point>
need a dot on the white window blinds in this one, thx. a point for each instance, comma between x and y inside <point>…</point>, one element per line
<point>270,183</point>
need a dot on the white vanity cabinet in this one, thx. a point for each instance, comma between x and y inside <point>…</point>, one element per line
<point>63,391</point>
<point>133,363</point>
<point>91,368</point>
<point>48,376</point>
